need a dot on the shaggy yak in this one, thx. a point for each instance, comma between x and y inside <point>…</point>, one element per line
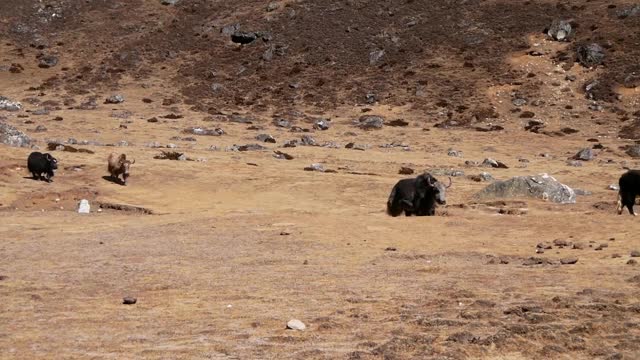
<point>42,166</point>
<point>119,166</point>
<point>417,196</point>
<point>629,188</point>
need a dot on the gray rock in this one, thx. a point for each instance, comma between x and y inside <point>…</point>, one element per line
<point>631,11</point>
<point>375,56</point>
<point>488,162</point>
<point>354,146</point>
<point>204,132</point>
<point>84,207</point>
<point>370,98</point>
<point>114,99</point>
<point>308,140</point>
<point>8,105</point>
<point>272,6</point>
<point>560,30</point>
<point>217,87</point>
<point>454,153</point>
<point>230,29</point>
<point>585,154</point>
<point>47,61</point>
<point>540,186</point>
<point>568,261</point>
<point>613,187</point>
<point>519,102</point>
<point>635,253</point>
<point>321,124</point>
<point>282,123</point>
<point>267,55</point>
<point>40,128</point>
<point>574,163</point>
<point>581,192</point>
<point>12,136</point>
<point>171,146</point>
<point>295,324</point>
<point>169,2</point>
<point>182,157</point>
<point>42,111</point>
<point>315,167</point>
<point>485,176</point>
<point>590,55</point>
<point>370,122</point>
<point>130,300</point>
<point>634,151</point>
<point>266,138</point>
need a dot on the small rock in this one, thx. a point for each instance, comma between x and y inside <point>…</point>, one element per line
<point>569,261</point>
<point>590,55</point>
<point>281,155</point>
<point>519,102</point>
<point>308,140</point>
<point>632,262</point>
<point>84,207</point>
<point>406,171</point>
<point>370,122</point>
<point>315,167</point>
<point>321,124</point>
<point>375,56</point>
<point>559,30</point>
<point>295,324</point>
<point>243,37</point>
<point>114,99</point>
<point>47,61</point>
<point>585,154</point>
<point>635,253</point>
<point>613,187</point>
<point>272,6</point>
<point>40,128</point>
<point>266,138</point>
<point>129,300</point>
<point>454,153</point>
<point>634,151</point>
<point>488,162</point>
<point>282,123</point>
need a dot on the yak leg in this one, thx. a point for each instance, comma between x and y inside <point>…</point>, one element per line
<point>629,200</point>
<point>620,206</point>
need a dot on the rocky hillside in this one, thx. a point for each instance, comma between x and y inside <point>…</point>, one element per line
<point>435,56</point>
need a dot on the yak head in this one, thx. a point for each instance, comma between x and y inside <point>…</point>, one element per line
<point>51,161</point>
<point>124,165</point>
<point>438,189</point>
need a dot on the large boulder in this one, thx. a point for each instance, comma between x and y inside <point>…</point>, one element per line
<point>12,136</point>
<point>541,186</point>
<point>560,30</point>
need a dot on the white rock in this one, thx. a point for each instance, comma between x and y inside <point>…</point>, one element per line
<point>295,324</point>
<point>84,207</point>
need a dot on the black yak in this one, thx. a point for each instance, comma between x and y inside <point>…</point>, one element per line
<point>629,188</point>
<point>417,196</point>
<point>42,166</point>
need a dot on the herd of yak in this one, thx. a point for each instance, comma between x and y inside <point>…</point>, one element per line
<point>416,196</point>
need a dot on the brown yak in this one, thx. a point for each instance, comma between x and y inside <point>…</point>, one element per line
<point>119,165</point>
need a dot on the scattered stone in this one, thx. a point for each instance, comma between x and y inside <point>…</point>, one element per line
<point>632,262</point>
<point>8,105</point>
<point>173,116</point>
<point>519,102</point>
<point>12,136</point>
<point>370,122</point>
<point>47,61</point>
<point>129,300</point>
<point>601,246</point>
<point>540,186</point>
<point>295,324</point>
<point>204,132</point>
<point>321,124</point>
<point>634,151</point>
<point>42,111</point>
<point>488,162</point>
<point>527,115</point>
<point>375,56</point>
<point>483,176</point>
<point>581,192</point>
<point>243,38</point>
<point>308,140</point>
<point>390,249</point>
<point>544,246</point>
<point>273,6</point>
<point>535,261</point>
<point>463,337</point>
<point>454,153</point>
<point>248,147</point>
<point>114,99</point>
<point>585,154</point>
<point>291,143</point>
<point>84,207</point>
<point>171,155</point>
<point>635,253</point>
<point>590,55</point>
<point>153,120</point>
<point>406,171</point>
<point>398,123</point>
<point>266,138</point>
<point>230,29</point>
<point>613,187</point>
<point>628,12</point>
<point>568,261</point>
<point>282,123</point>
<point>560,30</point>
<point>354,146</point>
<point>315,167</point>
<point>281,155</point>
<point>574,163</point>
<point>40,128</point>
<point>371,98</point>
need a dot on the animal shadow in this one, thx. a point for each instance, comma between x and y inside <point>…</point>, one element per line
<point>113,180</point>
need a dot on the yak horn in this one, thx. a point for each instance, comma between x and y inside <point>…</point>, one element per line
<point>133,162</point>
<point>450,182</point>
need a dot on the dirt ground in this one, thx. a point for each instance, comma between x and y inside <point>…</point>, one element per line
<point>238,243</point>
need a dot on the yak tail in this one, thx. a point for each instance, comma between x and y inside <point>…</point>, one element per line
<point>394,208</point>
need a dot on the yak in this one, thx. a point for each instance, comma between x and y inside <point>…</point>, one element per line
<point>119,165</point>
<point>42,166</point>
<point>417,196</point>
<point>629,188</point>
